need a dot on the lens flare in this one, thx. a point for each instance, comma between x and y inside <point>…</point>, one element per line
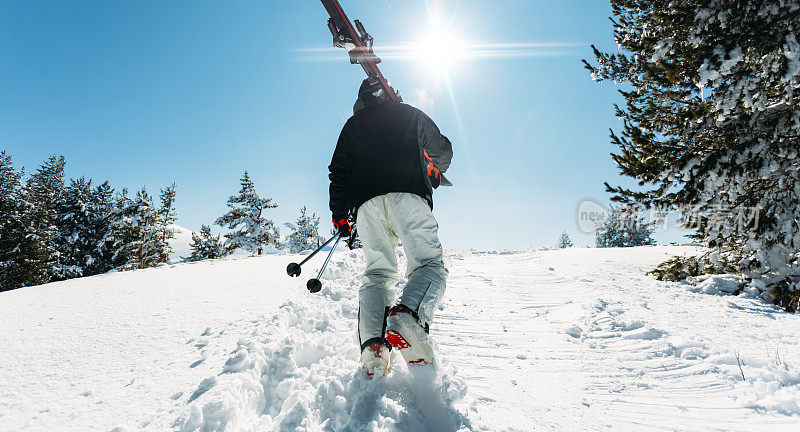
<point>439,52</point>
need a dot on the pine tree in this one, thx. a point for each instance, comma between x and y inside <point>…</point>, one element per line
<point>564,241</point>
<point>624,228</point>
<point>12,225</point>
<point>710,125</point>
<point>137,233</point>
<point>205,245</point>
<point>121,231</point>
<point>73,239</point>
<point>52,232</point>
<point>142,232</point>
<point>251,231</point>
<point>150,248</point>
<point>102,221</point>
<point>166,217</point>
<point>305,232</point>
<point>43,191</point>
<point>83,221</point>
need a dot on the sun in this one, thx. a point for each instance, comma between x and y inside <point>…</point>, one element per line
<point>439,52</point>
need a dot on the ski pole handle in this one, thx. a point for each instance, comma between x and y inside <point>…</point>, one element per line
<point>294,269</point>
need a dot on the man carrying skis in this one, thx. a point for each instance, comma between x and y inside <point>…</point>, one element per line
<point>389,158</point>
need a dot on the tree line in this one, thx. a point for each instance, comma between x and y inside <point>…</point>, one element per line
<point>53,228</point>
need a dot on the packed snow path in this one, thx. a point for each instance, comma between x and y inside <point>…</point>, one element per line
<point>576,339</point>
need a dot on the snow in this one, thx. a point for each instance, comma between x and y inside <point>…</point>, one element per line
<point>569,339</point>
<point>180,243</point>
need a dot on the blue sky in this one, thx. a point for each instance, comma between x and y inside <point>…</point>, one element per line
<point>148,93</point>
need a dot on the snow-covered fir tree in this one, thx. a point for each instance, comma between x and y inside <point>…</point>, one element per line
<point>166,217</point>
<point>711,125</point>
<point>74,239</point>
<point>206,245</point>
<point>624,228</point>
<point>138,234</point>
<point>143,253</point>
<point>43,191</point>
<point>122,230</point>
<point>154,231</point>
<point>13,231</point>
<point>305,232</point>
<point>83,220</point>
<point>102,209</point>
<point>49,231</point>
<point>564,241</point>
<point>251,231</point>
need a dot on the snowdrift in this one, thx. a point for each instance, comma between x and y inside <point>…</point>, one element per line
<point>575,339</point>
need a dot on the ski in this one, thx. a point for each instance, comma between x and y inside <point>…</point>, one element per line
<point>357,42</point>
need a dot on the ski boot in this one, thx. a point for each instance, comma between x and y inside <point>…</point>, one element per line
<point>375,359</point>
<point>407,336</point>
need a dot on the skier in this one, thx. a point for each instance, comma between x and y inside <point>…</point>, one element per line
<point>389,158</point>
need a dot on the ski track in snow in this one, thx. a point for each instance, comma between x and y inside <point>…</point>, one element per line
<point>575,339</point>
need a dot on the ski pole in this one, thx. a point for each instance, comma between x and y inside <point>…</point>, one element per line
<point>294,270</point>
<point>314,285</point>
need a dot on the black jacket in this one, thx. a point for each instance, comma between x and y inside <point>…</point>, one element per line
<point>381,149</point>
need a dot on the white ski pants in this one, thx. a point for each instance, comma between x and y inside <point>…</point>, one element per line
<point>381,221</point>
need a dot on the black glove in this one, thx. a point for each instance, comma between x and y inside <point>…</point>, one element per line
<point>342,226</point>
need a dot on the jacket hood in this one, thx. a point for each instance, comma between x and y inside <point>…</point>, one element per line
<point>372,93</point>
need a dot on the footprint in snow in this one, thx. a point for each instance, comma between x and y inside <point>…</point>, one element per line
<point>239,361</point>
<point>203,357</point>
<point>205,385</point>
<point>574,331</point>
<point>649,334</point>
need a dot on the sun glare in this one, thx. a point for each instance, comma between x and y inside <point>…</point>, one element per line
<point>439,52</point>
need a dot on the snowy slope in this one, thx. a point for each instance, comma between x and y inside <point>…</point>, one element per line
<point>180,243</point>
<point>576,339</point>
